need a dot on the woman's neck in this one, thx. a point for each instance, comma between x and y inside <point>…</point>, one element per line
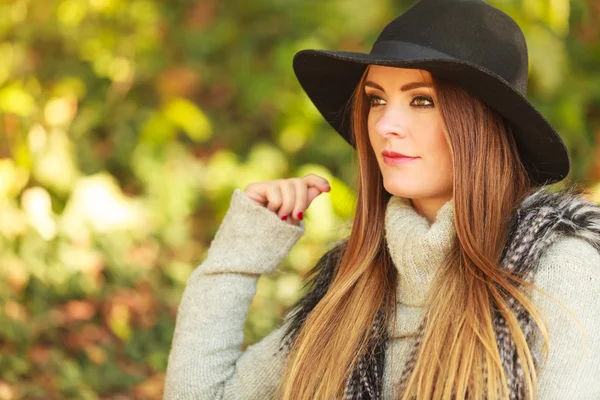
<point>429,207</point>
<point>416,246</point>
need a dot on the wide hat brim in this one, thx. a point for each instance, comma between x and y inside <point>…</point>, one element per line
<point>329,78</point>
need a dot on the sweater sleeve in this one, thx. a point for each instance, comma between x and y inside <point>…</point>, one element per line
<point>570,272</point>
<point>206,360</point>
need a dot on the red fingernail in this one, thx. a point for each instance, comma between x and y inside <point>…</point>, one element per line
<point>284,217</point>
<point>300,215</point>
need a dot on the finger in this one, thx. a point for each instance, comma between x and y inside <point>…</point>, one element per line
<point>301,198</point>
<point>288,198</point>
<point>311,194</point>
<point>257,192</point>
<point>290,220</point>
<point>273,197</point>
<point>313,180</point>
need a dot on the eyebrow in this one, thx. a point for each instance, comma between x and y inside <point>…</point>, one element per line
<point>404,88</point>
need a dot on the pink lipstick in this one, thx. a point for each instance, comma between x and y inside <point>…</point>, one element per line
<point>393,158</point>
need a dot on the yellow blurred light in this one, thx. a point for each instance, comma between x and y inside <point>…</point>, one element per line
<point>106,6</point>
<point>14,99</point>
<point>38,207</point>
<point>102,63</point>
<point>99,4</point>
<point>558,16</point>
<point>90,48</point>
<point>12,178</point>
<point>8,391</point>
<point>60,111</point>
<point>71,12</point>
<point>292,138</point>
<point>37,138</point>
<point>70,86</point>
<point>7,57</point>
<point>178,271</point>
<point>223,168</point>
<point>121,70</point>
<point>534,9</point>
<point>288,287</point>
<point>54,165</point>
<point>33,86</point>
<point>265,288</point>
<point>269,160</point>
<point>13,222</point>
<point>189,117</point>
<point>265,162</point>
<point>98,201</point>
<point>342,198</point>
<point>18,11</point>
<point>301,256</point>
<point>80,258</point>
<point>143,11</point>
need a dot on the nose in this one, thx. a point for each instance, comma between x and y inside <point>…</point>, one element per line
<point>391,122</point>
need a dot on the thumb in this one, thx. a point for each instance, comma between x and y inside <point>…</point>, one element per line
<point>312,192</point>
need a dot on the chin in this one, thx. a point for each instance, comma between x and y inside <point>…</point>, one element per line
<point>405,190</point>
<point>410,190</point>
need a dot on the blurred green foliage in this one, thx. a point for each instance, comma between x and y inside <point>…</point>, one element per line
<point>126,125</point>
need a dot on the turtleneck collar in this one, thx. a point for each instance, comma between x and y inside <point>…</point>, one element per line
<point>416,247</point>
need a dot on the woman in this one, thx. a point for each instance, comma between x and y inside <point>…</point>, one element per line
<point>462,277</point>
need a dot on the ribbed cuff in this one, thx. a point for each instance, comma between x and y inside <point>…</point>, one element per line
<point>251,239</point>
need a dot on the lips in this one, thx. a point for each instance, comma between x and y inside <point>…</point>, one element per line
<point>396,159</point>
<point>393,154</point>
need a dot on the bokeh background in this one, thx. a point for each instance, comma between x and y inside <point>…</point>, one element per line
<point>125,126</point>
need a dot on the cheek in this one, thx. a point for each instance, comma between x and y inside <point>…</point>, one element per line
<point>441,144</point>
<point>439,149</point>
<point>374,139</point>
<point>370,127</point>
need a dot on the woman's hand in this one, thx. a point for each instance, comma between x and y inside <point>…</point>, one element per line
<point>288,198</point>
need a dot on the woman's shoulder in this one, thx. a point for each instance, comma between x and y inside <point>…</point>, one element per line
<point>570,270</point>
<point>571,222</point>
<point>575,248</point>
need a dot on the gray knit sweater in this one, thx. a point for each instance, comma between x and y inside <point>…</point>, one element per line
<point>206,361</point>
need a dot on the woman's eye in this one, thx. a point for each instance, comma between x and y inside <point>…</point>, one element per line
<point>373,100</point>
<point>417,101</point>
<point>422,101</point>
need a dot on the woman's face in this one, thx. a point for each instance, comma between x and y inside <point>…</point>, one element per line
<point>404,118</point>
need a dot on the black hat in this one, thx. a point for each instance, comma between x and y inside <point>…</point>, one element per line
<point>467,42</point>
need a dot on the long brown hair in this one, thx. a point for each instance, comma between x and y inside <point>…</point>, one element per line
<point>458,347</point>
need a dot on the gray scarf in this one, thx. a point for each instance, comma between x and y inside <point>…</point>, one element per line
<point>539,221</point>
